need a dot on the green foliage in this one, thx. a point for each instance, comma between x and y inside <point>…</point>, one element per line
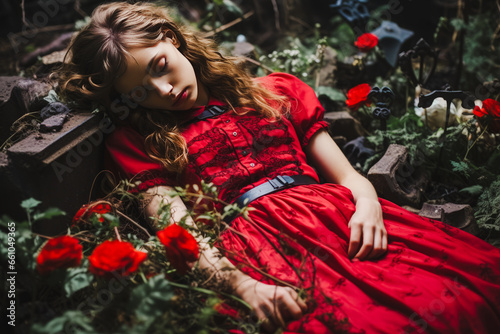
<point>70,321</point>
<point>332,93</point>
<point>77,279</point>
<point>487,212</point>
<point>215,13</point>
<point>150,300</point>
<point>52,97</point>
<point>480,55</point>
<point>297,59</point>
<point>147,300</point>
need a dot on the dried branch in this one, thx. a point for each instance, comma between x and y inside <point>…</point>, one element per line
<point>228,25</point>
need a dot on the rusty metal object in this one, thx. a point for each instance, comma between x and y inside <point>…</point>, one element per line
<point>356,151</point>
<point>395,179</point>
<point>354,12</point>
<point>421,50</point>
<point>383,98</point>
<point>456,215</point>
<point>390,39</point>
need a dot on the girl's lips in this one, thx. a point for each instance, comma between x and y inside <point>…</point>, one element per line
<point>181,97</point>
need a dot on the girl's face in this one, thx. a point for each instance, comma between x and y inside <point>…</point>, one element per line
<point>160,77</point>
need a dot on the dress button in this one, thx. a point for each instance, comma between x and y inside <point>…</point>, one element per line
<point>244,153</point>
<point>227,120</point>
<point>252,165</point>
<point>235,133</point>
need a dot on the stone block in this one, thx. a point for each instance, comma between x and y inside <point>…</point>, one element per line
<point>457,215</point>
<point>59,168</point>
<point>341,123</point>
<point>53,123</point>
<point>37,151</point>
<point>18,96</point>
<point>395,179</point>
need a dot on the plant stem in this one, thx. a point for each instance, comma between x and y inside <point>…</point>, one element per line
<point>117,234</point>
<point>143,277</point>
<point>209,292</point>
<point>133,222</point>
<point>470,147</point>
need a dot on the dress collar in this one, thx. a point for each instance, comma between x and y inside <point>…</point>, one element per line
<point>184,116</point>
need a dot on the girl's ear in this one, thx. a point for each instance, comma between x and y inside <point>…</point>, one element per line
<point>170,35</point>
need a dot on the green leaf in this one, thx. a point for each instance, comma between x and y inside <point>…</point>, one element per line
<point>232,7</point>
<point>52,97</point>
<point>76,279</point>
<point>29,204</point>
<point>475,190</point>
<point>49,213</point>
<point>458,24</point>
<point>332,93</point>
<point>112,219</point>
<point>150,300</point>
<point>70,322</point>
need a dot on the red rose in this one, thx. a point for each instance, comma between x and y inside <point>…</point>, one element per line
<point>60,252</point>
<point>181,247</point>
<point>491,111</point>
<point>116,256</point>
<point>366,42</point>
<point>357,96</point>
<point>227,310</point>
<point>87,210</point>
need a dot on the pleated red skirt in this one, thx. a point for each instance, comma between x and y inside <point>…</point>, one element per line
<point>433,279</point>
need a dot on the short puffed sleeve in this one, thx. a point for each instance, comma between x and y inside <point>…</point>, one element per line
<point>126,157</point>
<point>306,113</point>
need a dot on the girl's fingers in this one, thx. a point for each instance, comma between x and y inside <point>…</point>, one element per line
<point>384,240</point>
<point>294,306</point>
<point>377,249</point>
<point>355,240</point>
<point>367,243</point>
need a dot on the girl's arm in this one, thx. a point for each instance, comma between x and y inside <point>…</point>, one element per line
<point>272,304</point>
<point>366,224</point>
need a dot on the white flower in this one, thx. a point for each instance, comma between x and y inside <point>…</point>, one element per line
<point>435,115</point>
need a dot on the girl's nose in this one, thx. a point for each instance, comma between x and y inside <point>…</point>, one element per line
<point>162,87</point>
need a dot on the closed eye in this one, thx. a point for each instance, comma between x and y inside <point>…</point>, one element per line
<point>161,66</point>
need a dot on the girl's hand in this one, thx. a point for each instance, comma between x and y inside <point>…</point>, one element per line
<point>367,230</point>
<point>273,305</point>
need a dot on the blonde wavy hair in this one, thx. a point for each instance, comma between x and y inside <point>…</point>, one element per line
<point>97,57</point>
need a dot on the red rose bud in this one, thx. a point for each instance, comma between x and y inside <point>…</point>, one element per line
<point>357,96</point>
<point>227,310</point>
<point>366,42</point>
<point>490,110</point>
<point>180,247</point>
<point>87,210</point>
<point>118,257</point>
<point>59,252</point>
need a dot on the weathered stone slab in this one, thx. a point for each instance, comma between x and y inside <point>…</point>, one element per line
<point>395,179</point>
<point>29,93</point>
<point>60,169</point>
<point>53,123</point>
<point>341,123</point>
<point>6,86</point>
<point>54,108</point>
<point>35,151</point>
<point>54,58</point>
<point>18,96</point>
<point>457,215</point>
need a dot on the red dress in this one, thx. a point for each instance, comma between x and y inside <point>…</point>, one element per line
<point>433,279</point>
